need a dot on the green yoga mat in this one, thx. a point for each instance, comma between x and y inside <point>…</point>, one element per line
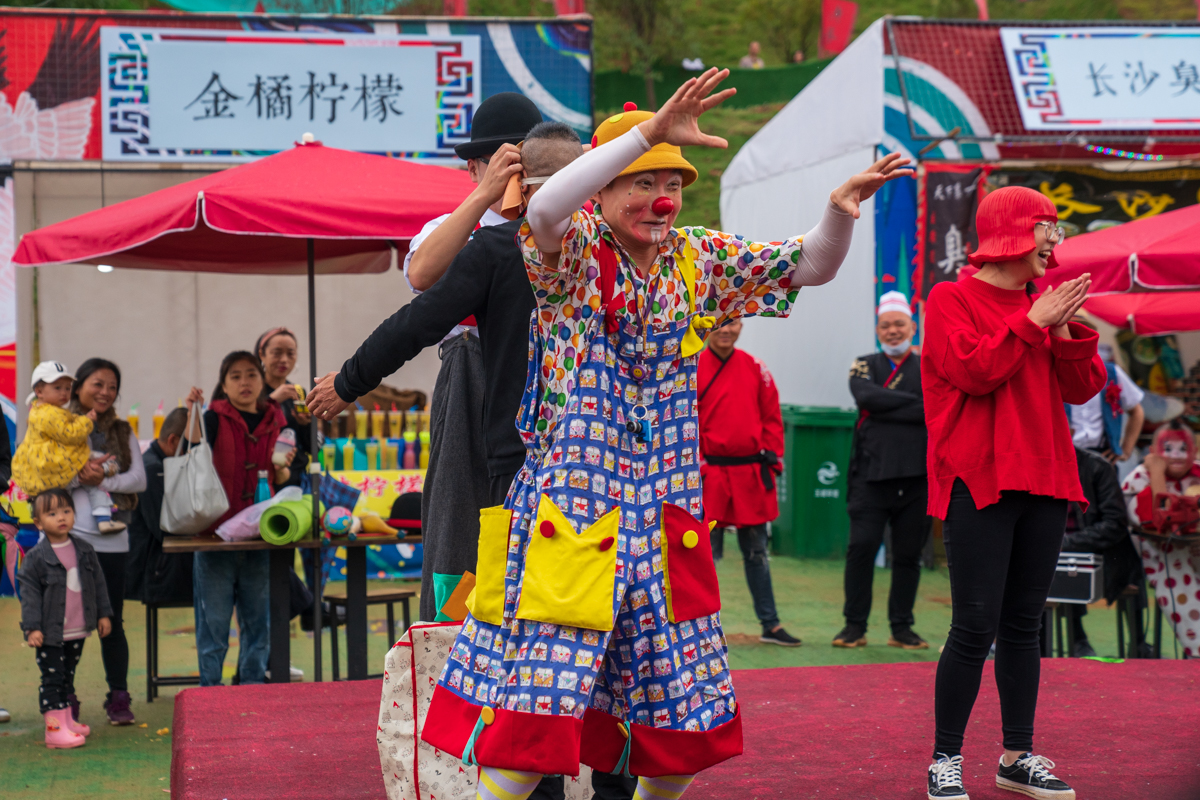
<point>287,522</point>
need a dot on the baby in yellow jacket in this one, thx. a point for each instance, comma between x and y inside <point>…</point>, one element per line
<point>56,446</point>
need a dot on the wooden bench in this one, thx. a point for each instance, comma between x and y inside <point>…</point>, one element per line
<point>375,597</point>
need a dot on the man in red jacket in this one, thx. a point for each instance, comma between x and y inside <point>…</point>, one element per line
<point>741,446</point>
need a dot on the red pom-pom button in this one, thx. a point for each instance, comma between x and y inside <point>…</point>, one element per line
<point>606,543</point>
<point>662,206</point>
<point>595,142</point>
<point>630,106</point>
<point>546,528</point>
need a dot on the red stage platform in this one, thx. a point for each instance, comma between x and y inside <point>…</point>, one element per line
<point>1117,731</point>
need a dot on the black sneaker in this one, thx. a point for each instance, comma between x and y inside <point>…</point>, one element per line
<point>1030,775</point>
<point>779,636</point>
<point>904,637</point>
<point>851,636</point>
<point>945,779</point>
<point>1083,649</point>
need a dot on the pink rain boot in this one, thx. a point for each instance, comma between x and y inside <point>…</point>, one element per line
<point>59,735</point>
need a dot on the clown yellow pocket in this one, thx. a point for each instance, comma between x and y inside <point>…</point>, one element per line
<point>486,602</point>
<point>570,577</point>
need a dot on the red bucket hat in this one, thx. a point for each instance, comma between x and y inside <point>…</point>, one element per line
<point>1005,221</point>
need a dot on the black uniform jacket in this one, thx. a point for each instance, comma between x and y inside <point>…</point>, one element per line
<point>890,439</point>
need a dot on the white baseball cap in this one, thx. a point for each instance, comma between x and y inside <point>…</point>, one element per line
<point>48,372</point>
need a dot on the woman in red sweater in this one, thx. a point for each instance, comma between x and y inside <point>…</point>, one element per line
<point>998,362</point>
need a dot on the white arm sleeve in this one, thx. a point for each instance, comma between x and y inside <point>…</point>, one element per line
<point>824,248</point>
<point>551,208</point>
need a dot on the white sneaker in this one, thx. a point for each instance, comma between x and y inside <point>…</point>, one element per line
<point>296,673</point>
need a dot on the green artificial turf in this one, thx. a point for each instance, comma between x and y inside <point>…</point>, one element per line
<point>134,762</point>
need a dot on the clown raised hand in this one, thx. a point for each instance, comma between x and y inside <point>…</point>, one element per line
<point>677,122</point>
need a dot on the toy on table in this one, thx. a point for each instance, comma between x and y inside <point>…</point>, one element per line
<point>339,521</point>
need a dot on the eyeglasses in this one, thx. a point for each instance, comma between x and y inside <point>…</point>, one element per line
<point>1054,233</point>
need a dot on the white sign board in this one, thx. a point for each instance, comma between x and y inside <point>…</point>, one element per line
<point>195,95</point>
<point>1078,79</point>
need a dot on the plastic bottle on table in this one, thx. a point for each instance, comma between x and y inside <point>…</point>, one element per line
<point>329,450</point>
<point>134,419</point>
<point>393,454</point>
<point>378,423</point>
<point>395,423</point>
<point>263,490</point>
<point>360,422</point>
<point>158,419</point>
<point>348,455</point>
<point>410,450</point>
<point>372,454</point>
<point>423,461</point>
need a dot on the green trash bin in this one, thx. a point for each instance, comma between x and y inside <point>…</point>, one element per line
<point>812,490</point>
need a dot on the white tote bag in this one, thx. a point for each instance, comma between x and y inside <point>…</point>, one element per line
<point>413,769</point>
<point>193,497</point>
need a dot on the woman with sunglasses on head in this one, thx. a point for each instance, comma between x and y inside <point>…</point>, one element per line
<point>998,362</point>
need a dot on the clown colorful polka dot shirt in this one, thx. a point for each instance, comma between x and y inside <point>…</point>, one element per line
<point>734,278</point>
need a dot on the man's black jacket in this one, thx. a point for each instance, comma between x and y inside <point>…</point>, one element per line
<point>1104,527</point>
<point>890,440</point>
<point>487,279</point>
<point>153,576</point>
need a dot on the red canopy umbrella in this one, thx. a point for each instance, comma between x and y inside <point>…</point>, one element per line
<point>1148,313</point>
<point>311,209</point>
<point>1144,273</point>
<point>258,218</point>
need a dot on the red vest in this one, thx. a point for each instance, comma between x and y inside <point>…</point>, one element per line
<point>239,453</point>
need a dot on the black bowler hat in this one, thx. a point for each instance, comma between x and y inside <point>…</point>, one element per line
<point>502,118</point>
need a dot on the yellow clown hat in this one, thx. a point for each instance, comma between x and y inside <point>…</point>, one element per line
<point>661,156</point>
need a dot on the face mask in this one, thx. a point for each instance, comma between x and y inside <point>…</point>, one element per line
<point>897,350</point>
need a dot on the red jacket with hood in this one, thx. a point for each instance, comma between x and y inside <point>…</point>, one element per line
<point>239,453</point>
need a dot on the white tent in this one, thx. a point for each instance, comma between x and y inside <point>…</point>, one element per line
<point>777,186</point>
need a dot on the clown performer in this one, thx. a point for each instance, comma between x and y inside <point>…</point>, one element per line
<point>1161,495</point>
<point>594,631</point>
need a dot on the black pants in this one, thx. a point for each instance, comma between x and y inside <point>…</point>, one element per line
<point>114,649</point>
<point>872,506</point>
<point>57,664</point>
<point>753,542</point>
<point>1002,560</point>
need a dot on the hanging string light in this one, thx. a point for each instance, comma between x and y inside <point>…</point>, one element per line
<point>1110,151</point>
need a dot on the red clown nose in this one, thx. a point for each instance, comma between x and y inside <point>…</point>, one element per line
<point>662,206</point>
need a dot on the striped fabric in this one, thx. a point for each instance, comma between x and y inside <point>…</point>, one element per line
<point>506,784</point>
<point>668,787</point>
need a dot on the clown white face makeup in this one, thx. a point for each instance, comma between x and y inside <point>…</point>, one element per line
<point>1177,448</point>
<point>627,205</point>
